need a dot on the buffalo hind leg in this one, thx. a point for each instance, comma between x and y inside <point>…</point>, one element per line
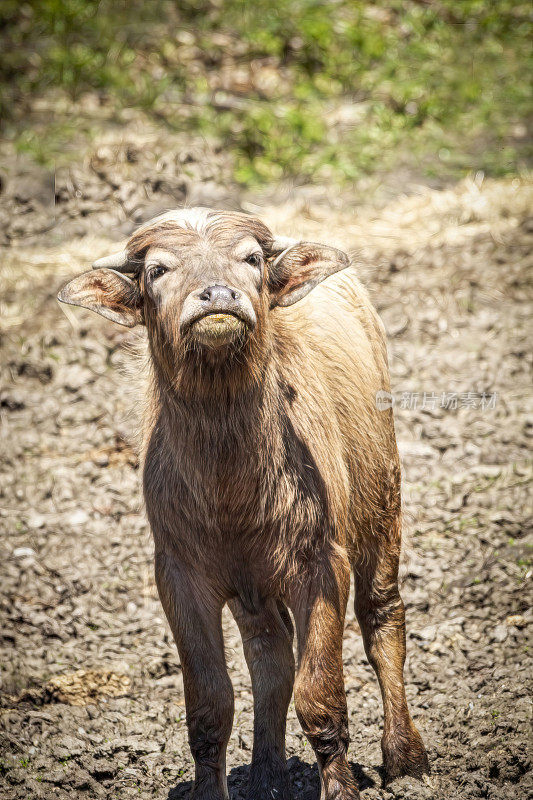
<point>381,616</point>
<point>196,624</point>
<point>267,642</point>
<point>319,695</point>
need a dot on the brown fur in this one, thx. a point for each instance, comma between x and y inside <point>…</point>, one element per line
<point>268,473</point>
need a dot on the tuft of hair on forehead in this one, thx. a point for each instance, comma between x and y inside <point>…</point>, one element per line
<point>183,226</point>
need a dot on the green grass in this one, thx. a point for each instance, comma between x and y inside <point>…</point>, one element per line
<point>324,91</point>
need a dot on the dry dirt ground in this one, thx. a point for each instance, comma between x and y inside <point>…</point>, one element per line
<point>91,698</point>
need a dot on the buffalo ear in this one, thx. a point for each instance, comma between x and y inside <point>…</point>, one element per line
<point>107,292</point>
<point>300,268</point>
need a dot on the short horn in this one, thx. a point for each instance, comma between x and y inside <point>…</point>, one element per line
<point>281,243</point>
<point>116,261</point>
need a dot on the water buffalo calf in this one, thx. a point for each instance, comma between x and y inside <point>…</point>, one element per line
<point>269,473</point>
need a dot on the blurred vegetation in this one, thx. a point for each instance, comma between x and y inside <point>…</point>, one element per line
<point>320,90</point>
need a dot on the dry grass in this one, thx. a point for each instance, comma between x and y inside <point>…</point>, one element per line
<point>433,217</point>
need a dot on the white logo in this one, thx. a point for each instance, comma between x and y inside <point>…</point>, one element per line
<point>384,400</point>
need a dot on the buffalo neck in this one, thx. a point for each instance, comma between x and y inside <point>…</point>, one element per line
<point>240,426</point>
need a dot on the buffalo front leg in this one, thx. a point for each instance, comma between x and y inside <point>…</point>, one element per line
<point>380,612</point>
<point>319,694</point>
<point>195,618</point>
<point>267,641</point>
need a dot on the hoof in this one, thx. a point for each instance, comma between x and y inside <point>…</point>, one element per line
<point>269,782</point>
<point>339,783</point>
<point>209,790</point>
<point>207,794</point>
<point>342,793</point>
<point>404,754</point>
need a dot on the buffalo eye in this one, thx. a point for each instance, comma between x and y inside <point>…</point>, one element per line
<point>156,272</point>
<point>255,259</point>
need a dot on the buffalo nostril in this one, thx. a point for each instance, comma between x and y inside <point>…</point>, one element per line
<point>218,294</point>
